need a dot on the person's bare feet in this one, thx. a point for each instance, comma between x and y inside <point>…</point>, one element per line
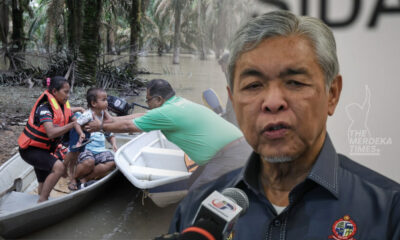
<point>73,185</point>
<point>41,200</point>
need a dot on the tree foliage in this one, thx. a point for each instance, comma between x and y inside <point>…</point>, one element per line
<point>86,32</point>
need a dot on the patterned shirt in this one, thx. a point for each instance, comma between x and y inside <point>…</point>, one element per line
<point>44,113</point>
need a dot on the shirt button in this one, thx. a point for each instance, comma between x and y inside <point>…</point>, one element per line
<point>277,222</point>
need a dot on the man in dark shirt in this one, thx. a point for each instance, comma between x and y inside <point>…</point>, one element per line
<point>284,82</point>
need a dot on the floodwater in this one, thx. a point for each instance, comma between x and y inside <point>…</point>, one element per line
<point>121,212</point>
<point>189,79</point>
<point>118,213</point>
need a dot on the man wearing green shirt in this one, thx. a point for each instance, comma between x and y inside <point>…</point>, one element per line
<point>216,145</point>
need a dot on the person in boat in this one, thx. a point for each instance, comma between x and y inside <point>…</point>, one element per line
<point>284,83</point>
<point>94,159</point>
<point>213,143</point>
<point>50,118</point>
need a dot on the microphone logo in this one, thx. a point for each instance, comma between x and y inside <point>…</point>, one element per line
<point>222,204</point>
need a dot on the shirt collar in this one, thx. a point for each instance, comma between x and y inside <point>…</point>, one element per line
<point>325,169</point>
<point>249,174</point>
<point>324,172</point>
<point>171,99</point>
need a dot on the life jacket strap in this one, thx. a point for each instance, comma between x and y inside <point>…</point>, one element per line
<point>35,131</point>
<point>28,134</point>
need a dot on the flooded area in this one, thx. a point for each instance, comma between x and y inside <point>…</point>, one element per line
<point>117,213</point>
<point>189,79</point>
<point>121,212</point>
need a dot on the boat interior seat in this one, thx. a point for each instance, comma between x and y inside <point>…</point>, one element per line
<point>164,151</point>
<point>15,201</point>
<point>162,158</point>
<point>150,173</point>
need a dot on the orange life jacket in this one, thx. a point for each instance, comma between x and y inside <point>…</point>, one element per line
<point>35,134</point>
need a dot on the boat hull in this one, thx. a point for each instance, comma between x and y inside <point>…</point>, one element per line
<point>155,165</point>
<point>41,215</point>
<point>20,214</point>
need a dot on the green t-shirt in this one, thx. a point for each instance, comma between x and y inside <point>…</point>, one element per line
<point>197,130</point>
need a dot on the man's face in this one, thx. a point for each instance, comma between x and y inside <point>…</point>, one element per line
<point>153,101</point>
<point>280,98</point>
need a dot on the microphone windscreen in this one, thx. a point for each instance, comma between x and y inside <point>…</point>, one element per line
<point>238,196</point>
<point>203,229</point>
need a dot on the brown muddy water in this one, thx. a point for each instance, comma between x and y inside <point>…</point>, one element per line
<point>119,213</point>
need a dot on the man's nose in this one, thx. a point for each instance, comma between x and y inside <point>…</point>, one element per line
<point>274,100</point>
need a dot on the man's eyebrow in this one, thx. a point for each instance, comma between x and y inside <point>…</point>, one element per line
<point>293,71</point>
<point>250,72</point>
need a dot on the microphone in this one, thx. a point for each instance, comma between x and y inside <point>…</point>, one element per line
<point>215,217</point>
<point>202,230</point>
<point>218,213</point>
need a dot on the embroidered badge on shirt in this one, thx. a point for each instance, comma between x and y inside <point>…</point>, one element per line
<point>230,237</point>
<point>44,112</point>
<point>344,229</point>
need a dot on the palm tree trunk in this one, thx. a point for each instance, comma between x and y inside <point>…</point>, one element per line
<point>143,6</point>
<point>17,35</point>
<point>74,27</point>
<point>54,25</point>
<point>60,29</point>
<point>111,40</point>
<point>111,23</point>
<point>201,23</point>
<point>221,31</point>
<point>135,31</point>
<point>177,32</point>
<point>4,23</point>
<point>90,44</point>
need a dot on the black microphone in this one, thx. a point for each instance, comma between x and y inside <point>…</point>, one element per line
<point>215,217</point>
<point>203,229</point>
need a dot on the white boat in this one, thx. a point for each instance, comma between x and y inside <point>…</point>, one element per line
<point>20,213</point>
<point>157,166</point>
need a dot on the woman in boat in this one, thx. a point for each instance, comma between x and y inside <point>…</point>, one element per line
<point>49,120</point>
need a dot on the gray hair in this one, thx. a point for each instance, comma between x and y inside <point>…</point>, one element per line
<point>283,23</point>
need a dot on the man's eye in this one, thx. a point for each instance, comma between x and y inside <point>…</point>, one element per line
<point>252,86</point>
<point>295,83</point>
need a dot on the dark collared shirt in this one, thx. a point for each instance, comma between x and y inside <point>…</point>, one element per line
<point>339,199</point>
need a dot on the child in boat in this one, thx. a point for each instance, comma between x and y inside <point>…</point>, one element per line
<point>94,160</point>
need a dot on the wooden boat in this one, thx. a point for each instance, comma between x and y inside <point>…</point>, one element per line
<point>20,213</point>
<point>157,166</point>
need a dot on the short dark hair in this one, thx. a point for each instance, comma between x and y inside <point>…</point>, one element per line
<point>160,87</point>
<point>56,83</point>
<point>91,95</point>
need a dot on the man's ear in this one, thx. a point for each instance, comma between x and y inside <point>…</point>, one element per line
<point>229,92</point>
<point>334,94</point>
<point>162,100</point>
